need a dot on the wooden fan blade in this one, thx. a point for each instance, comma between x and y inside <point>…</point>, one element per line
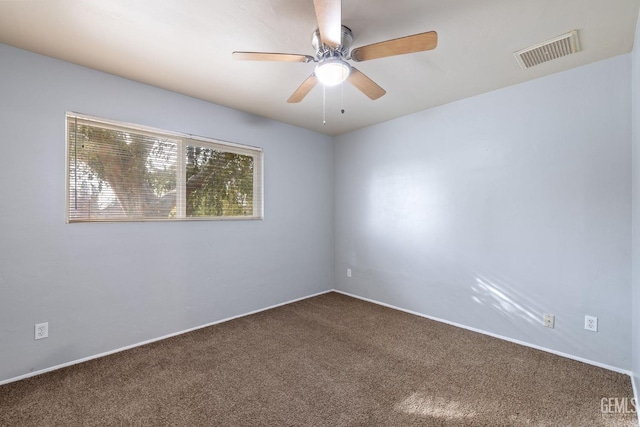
<point>303,89</point>
<point>410,44</point>
<point>267,56</point>
<point>365,85</point>
<point>329,15</point>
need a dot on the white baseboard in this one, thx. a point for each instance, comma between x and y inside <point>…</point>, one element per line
<point>635,395</point>
<point>85,359</point>
<point>526,344</point>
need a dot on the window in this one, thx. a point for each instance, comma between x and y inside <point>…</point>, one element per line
<point>120,172</point>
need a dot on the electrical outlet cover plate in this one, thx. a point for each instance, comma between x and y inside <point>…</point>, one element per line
<point>591,323</point>
<point>549,320</point>
<point>41,330</point>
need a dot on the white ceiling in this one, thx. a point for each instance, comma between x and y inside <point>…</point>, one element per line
<point>185,46</point>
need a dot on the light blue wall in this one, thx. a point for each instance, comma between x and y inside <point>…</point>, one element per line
<point>105,286</point>
<point>636,208</point>
<point>493,210</point>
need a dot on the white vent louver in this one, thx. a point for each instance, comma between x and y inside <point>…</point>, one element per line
<point>557,47</point>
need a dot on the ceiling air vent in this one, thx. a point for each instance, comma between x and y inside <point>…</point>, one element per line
<point>557,47</point>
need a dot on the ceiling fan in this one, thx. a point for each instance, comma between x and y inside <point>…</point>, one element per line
<point>332,42</point>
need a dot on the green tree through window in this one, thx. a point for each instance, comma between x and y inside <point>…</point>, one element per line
<point>218,183</point>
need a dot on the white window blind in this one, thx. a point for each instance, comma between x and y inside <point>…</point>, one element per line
<point>122,172</point>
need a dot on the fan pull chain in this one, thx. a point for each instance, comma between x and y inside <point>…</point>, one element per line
<point>342,97</point>
<point>324,105</point>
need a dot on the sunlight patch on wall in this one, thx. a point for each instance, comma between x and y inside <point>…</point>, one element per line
<point>489,292</point>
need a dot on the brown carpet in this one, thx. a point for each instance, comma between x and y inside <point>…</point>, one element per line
<point>330,360</point>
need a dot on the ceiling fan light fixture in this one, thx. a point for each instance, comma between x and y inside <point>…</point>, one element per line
<point>331,72</point>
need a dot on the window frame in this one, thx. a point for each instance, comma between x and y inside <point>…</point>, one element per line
<point>183,140</point>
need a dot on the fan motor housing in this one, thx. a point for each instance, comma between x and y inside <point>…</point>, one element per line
<point>322,50</point>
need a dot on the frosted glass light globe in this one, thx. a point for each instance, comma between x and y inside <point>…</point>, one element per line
<point>331,72</point>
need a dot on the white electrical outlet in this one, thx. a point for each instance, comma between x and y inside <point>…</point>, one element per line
<point>591,323</point>
<point>41,330</point>
<point>549,320</point>
<point>348,272</point>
